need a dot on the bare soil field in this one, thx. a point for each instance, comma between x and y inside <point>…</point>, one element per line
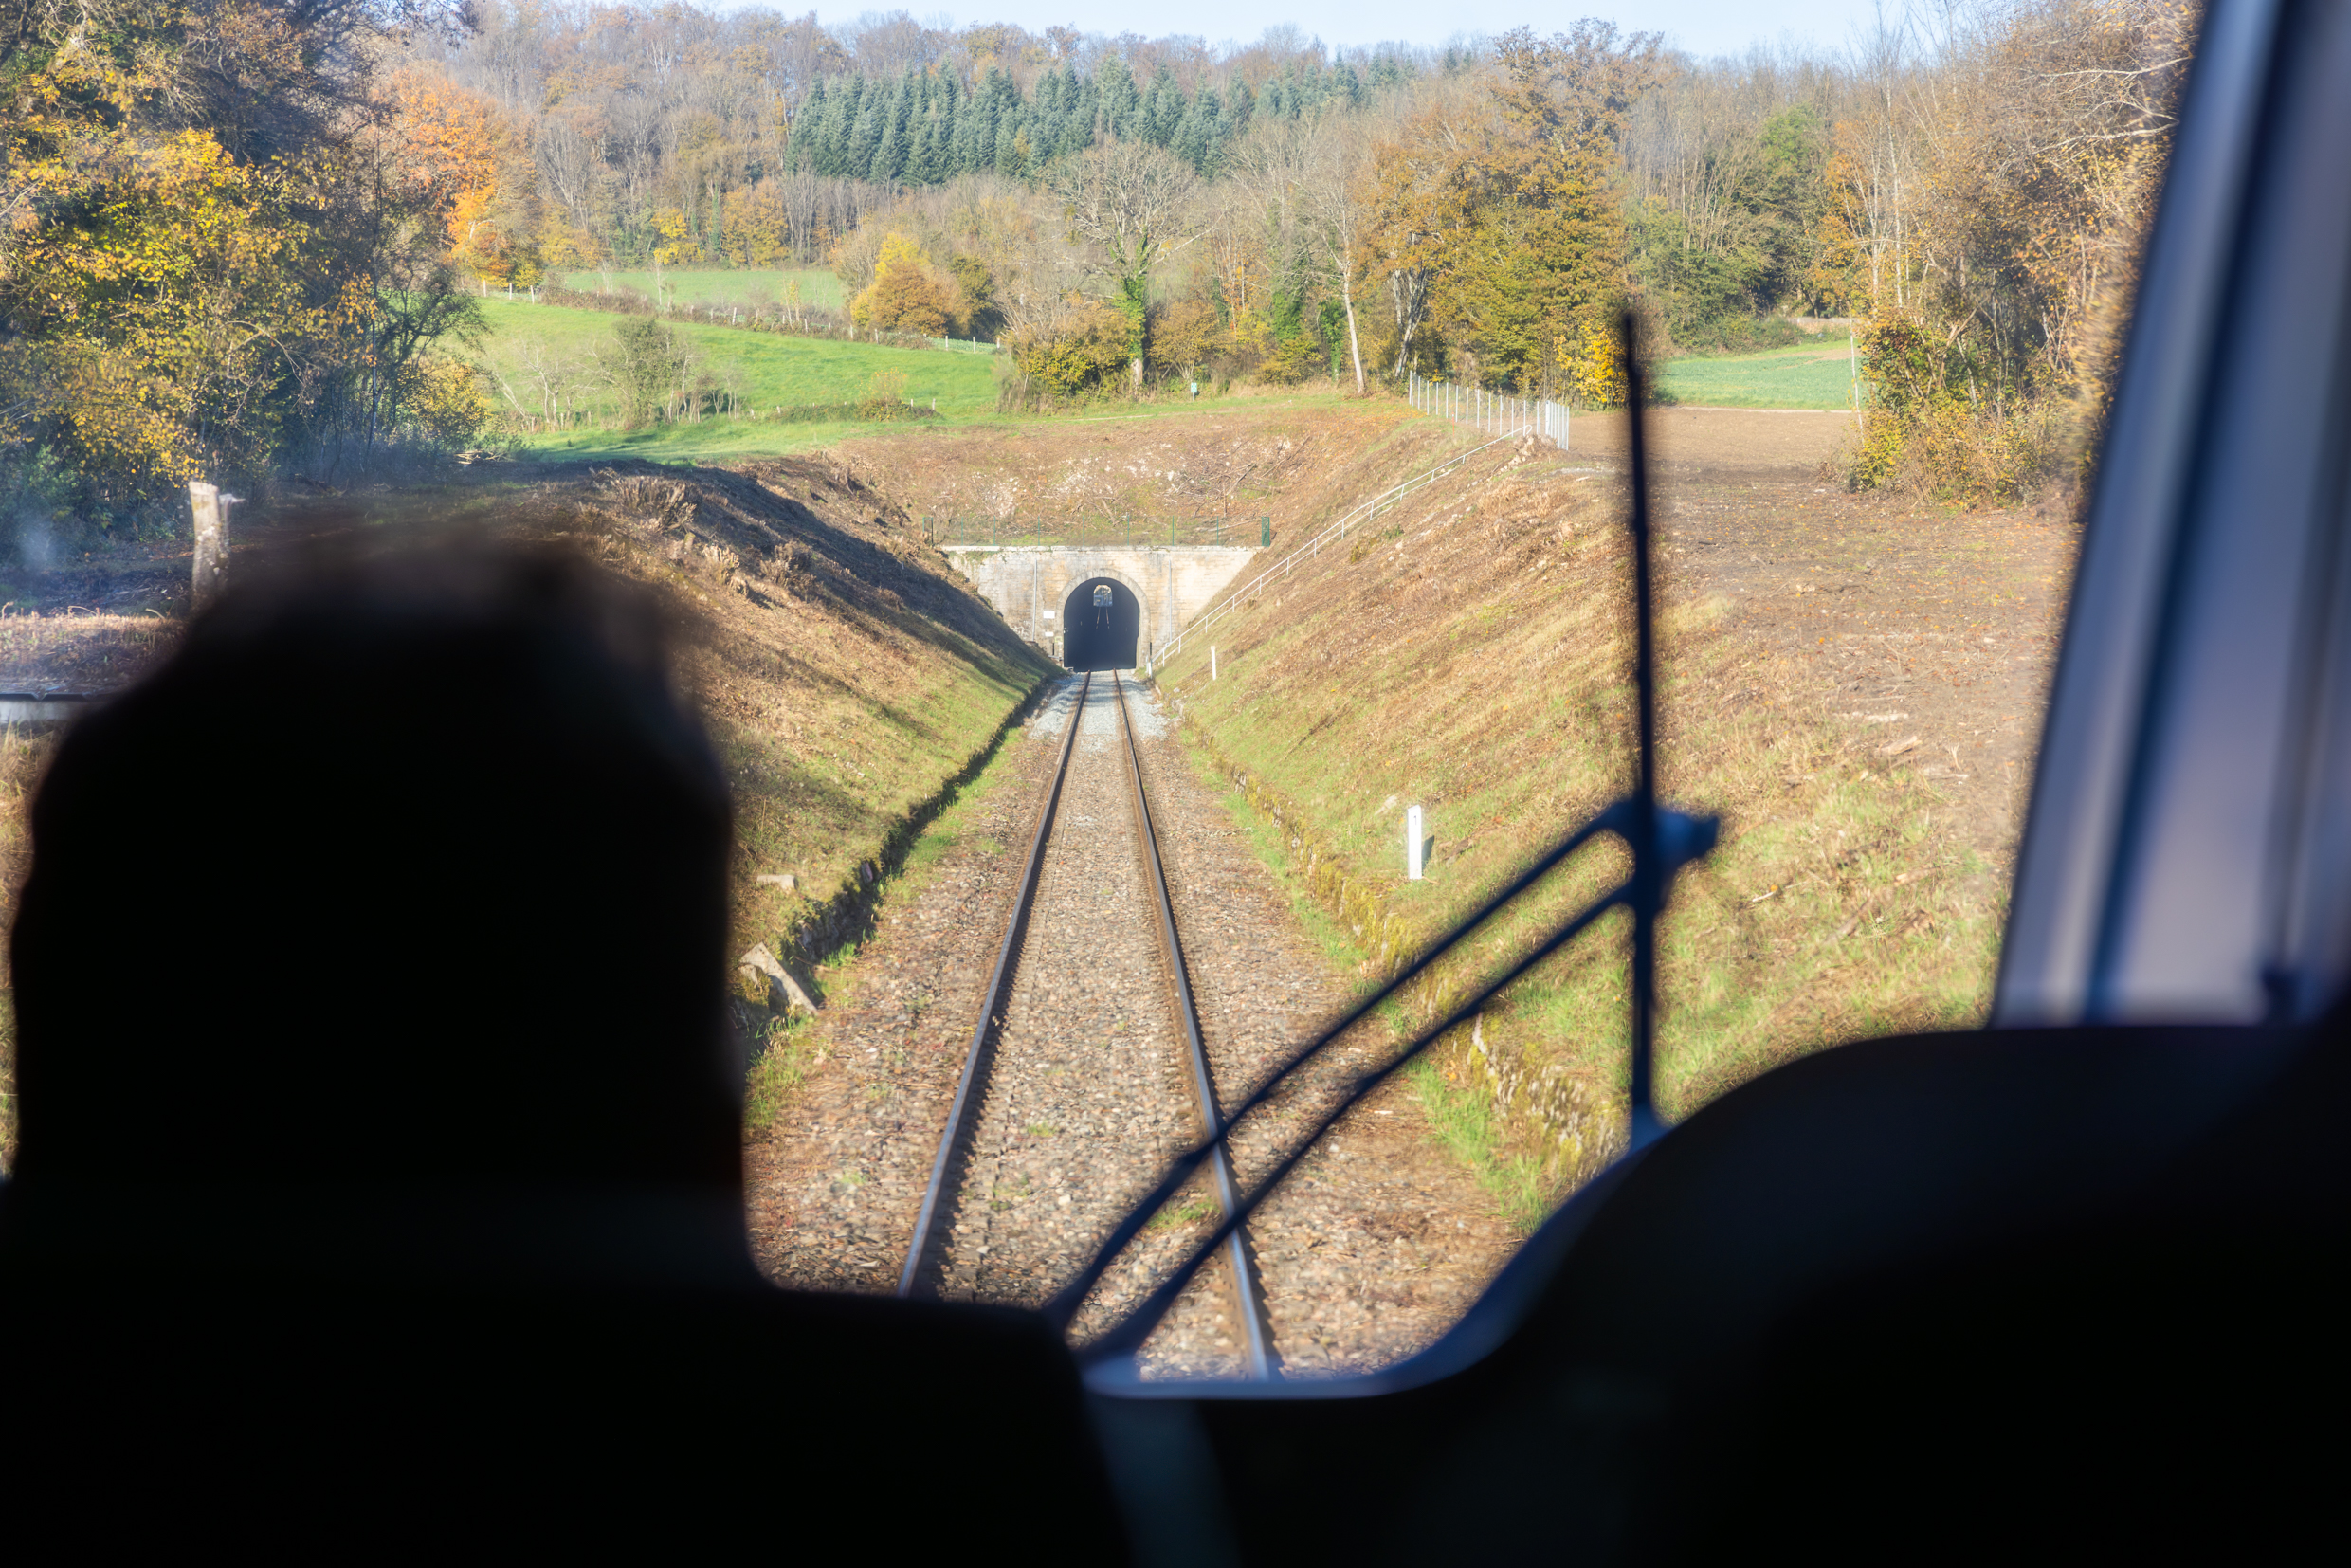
<point>1922,631</point>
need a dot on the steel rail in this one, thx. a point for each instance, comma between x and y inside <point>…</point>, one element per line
<point>992,1003</point>
<point>1248,1304</point>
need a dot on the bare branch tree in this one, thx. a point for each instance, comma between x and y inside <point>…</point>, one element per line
<point>1336,190</point>
<point>1127,201</point>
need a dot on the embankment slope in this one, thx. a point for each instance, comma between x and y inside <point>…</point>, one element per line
<point>846,677</point>
<point>1471,653</point>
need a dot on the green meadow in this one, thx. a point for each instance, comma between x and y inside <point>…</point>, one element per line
<point>767,371</point>
<point>1808,375</point>
<point>764,371</point>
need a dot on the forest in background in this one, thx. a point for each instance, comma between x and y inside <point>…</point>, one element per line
<point>242,236</point>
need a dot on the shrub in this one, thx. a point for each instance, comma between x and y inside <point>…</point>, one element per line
<point>648,365</point>
<point>907,294</point>
<point>1084,351</point>
<point>1919,434</point>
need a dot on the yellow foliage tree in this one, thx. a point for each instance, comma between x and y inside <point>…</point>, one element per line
<point>907,294</point>
<point>212,264</point>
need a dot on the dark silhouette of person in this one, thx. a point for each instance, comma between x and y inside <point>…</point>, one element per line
<point>380,1164</point>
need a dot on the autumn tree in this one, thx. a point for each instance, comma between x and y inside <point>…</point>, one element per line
<point>907,293</point>
<point>208,267</point>
<point>462,160</point>
<point>1506,205</point>
<point>1125,202</point>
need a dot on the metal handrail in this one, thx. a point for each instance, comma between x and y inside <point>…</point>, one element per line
<point>1367,510</point>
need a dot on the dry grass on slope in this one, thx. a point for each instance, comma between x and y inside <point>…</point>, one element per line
<point>1470,654</point>
<point>845,675</point>
<point>1073,479</point>
<point>847,679</point>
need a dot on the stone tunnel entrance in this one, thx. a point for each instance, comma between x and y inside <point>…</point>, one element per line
<point>1102,622</point>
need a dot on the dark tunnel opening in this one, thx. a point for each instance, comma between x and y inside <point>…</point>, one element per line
<point>1099,635</point>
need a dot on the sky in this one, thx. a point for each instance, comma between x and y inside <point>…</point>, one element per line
<point>1698,27</point>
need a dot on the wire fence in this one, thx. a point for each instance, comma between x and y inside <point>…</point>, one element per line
<point>1495,413</point>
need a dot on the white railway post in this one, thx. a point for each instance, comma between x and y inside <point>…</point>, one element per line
<point>211,514</point>
<point>1212,661</point>
<point>1412,844</point>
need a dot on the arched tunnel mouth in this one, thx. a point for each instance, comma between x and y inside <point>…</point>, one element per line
<point>1098,635</point>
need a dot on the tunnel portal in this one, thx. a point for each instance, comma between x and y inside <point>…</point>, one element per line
<point>1102,622</point>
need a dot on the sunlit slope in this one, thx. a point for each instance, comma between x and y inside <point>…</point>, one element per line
<point>1470,654</point>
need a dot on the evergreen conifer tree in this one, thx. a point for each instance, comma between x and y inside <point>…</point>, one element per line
<point>801,146</point>
<point>1120,103</point>
<point>1163,109</point>
<point>840,121</point>
<point>1240,110</point>
<point>873,114</point>
<point>1198,139</point>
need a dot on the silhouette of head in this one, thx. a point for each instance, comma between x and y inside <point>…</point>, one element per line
<point>408,870</point>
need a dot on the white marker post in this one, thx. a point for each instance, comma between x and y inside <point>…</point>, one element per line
<point>210,511</point>
<point>1412,844</point>
<point>1212,661</point>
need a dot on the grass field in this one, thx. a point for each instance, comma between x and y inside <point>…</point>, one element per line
<point>742,284</point>
<point>764,370</point>
<point>1809,376</point>
<point>770,369</point>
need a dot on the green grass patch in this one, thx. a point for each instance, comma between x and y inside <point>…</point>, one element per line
<point>1464,1120</point>
<point>1808,376</point>
<point>955,825</point>
<point>779,1065</point>
<point>768,371</point>
<point>529,344</point>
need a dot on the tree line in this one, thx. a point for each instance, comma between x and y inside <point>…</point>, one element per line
<point>632,137</point>
<point>242,236</point>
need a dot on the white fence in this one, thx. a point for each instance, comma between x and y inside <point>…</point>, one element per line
<point>1333,533</point>
<point>1492,412</point>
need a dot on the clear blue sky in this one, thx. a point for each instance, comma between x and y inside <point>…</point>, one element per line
<point>1699,26</point>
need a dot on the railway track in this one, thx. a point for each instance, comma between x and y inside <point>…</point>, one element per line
<point>1085,1070</point>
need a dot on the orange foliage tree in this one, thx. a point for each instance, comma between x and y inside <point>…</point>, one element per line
<point>462,160</point>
